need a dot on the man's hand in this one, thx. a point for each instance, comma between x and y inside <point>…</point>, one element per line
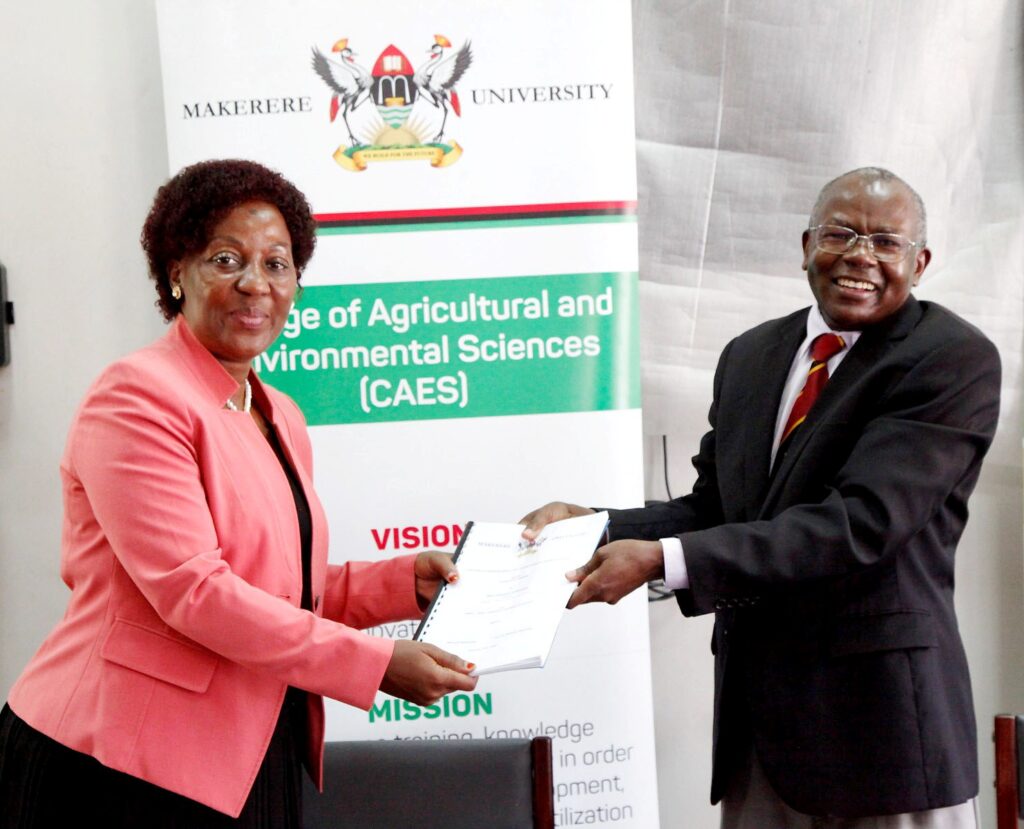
<point>432,568</point>
<point>548,514</point>
<point>423,673</point>
<point>616,570</point>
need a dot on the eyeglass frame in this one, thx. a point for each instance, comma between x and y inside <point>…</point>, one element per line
<point>867,238</point>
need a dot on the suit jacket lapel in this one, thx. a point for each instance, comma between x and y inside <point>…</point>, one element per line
<point>869,349</point>
<point>768,372</point>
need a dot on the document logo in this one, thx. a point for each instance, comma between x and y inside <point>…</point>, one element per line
<point>528,548</point>
<point>391,130</point>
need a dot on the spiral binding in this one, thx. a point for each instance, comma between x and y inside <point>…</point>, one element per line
<point>421,631</point>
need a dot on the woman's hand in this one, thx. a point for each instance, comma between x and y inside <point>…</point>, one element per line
<point>548,514</point>
<point>423,673</point>
<point>431,569</point>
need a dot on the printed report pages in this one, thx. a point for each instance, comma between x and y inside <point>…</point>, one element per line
<point>503,612</point>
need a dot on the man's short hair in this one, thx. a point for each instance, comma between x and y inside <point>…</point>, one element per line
<point>870,174</point>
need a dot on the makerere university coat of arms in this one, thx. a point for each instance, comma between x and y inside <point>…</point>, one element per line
<point>395,87</point>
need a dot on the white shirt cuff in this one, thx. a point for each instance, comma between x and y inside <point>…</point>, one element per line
<point>676,577</point>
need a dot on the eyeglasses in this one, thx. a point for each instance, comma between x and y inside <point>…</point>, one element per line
<point>885,247</point>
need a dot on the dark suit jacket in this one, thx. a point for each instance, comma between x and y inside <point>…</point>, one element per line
<point>836,642</point>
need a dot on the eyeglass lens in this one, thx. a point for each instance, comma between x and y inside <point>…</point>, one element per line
<point>888,247</point>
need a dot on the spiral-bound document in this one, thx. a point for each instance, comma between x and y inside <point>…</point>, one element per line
<point>503,612</point>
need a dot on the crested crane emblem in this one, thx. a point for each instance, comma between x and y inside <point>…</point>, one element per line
<point>393,128</point>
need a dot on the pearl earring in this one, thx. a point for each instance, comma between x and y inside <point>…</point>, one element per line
<point>176,290</point>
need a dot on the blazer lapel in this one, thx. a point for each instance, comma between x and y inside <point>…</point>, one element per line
<point>869,349</point>
<point>768,373</point>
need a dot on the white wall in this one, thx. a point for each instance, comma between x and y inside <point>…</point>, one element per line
<point>81,153</point>
<point>744,109</point>
<point>734,140</point>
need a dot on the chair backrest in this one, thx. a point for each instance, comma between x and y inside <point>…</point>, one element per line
<point>433,783</point>
<point>1009,740</point>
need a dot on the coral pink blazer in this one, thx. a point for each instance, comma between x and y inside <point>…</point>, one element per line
<point>181,549</point>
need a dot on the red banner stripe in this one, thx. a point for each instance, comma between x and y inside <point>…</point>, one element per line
<point>492,210</point>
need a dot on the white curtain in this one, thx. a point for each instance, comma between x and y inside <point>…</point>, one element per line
<point>745,108</point>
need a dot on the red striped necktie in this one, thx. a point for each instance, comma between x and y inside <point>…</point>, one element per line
<point>824,347</point>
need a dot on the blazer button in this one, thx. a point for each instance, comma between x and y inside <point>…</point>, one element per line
<point>719,605</point>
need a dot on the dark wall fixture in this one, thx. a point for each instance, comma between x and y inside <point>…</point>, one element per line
<point>6,319</point>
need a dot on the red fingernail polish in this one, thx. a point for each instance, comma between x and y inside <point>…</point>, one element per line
<point>471,666</point>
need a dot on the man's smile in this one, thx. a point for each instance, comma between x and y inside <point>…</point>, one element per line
<point>855,284</point>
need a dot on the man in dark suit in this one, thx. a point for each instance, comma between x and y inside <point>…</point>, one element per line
<point>831,493</point>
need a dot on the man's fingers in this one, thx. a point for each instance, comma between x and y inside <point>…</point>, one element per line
<point>548,514</point>
<point>537,520</point>
<point>615,571</point>
<point>586,579</point>
<point>580,573</point>
<point>581,595</point>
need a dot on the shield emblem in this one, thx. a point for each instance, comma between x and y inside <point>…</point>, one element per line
<point>393,90</point>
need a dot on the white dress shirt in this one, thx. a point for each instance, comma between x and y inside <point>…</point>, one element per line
<point>676,577</point>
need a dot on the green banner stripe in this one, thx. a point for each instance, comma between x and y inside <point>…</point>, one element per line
<point>396,351</point>
<point>414,227</point>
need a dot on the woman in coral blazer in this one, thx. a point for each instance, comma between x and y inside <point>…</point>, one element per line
<point>183,686</point>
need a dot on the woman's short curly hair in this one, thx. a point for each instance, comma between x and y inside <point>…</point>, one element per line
<point>189,206</point>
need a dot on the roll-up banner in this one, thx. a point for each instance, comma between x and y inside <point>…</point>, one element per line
<point>465,346</point>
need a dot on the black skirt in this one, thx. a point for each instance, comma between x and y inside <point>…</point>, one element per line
<point>45,784</point>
